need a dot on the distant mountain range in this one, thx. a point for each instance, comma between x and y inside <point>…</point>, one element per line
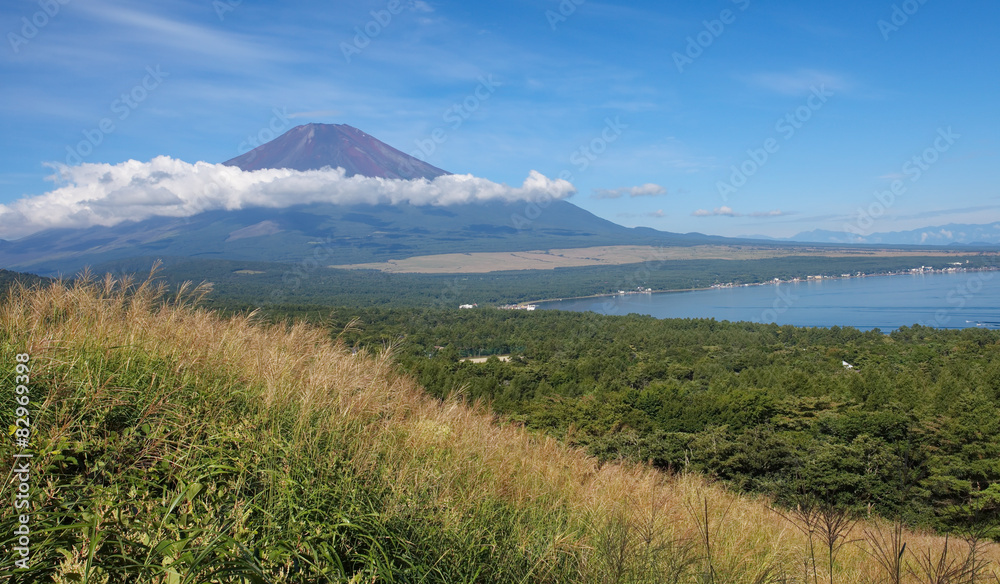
<point>952,234</point>
<point>341,234</point>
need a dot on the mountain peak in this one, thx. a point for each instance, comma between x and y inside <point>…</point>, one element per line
<point>314,146</point>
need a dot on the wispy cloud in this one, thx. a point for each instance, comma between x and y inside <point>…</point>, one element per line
<point>717,212</point>
<point>646,190</point>
<point>108,194</point>
<point>657,214</point>
<point>725,211</point>
<point>152,28</point>
<point>772,213</point>
<point>799,82</point>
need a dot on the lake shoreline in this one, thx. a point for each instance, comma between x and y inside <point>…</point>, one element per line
<point>947,299</point>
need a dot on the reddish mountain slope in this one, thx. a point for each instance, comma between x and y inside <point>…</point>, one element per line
<point>313,146</point>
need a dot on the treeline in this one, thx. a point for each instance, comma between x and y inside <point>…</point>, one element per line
<point>9,278</point>
<point>910,430</point>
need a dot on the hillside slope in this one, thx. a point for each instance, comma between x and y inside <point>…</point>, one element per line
<point>334,234</point>
<point>249,452</point>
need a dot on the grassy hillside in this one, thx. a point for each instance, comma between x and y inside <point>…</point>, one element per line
<point>171,445</point>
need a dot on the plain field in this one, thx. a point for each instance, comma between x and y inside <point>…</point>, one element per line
<point>479,263</point>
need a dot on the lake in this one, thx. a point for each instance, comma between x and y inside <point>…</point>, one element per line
<point>948,300</point>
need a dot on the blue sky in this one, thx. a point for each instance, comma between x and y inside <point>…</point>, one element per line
<point>646,107</point>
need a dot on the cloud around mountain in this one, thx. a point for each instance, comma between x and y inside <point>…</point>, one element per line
<point>108,194</point>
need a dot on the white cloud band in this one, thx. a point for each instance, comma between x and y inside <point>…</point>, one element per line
<point>108,194</point>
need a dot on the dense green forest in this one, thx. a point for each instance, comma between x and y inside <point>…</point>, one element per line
<point>9,278</point>
<point>911,431</point>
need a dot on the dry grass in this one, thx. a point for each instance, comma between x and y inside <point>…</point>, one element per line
<point>613,522</point>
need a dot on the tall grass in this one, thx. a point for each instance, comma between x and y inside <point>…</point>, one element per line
<point>172,445</point>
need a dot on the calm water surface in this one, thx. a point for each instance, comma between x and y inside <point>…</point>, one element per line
<point>957,300</point>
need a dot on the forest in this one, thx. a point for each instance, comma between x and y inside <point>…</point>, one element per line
<point>906,424</point>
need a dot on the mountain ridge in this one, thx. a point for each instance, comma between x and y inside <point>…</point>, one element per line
<point>950,234</point>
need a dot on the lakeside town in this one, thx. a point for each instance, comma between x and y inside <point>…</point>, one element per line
<point>954,267</point>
